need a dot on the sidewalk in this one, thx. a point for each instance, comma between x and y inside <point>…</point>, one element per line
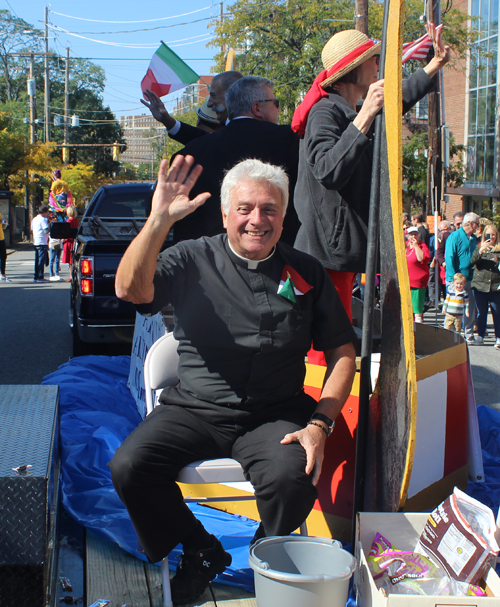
<point>485,363</point>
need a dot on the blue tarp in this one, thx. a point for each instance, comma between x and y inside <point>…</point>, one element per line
<point>98,413</point>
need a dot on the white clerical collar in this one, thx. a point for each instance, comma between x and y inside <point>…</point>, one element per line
<point>252,263</point>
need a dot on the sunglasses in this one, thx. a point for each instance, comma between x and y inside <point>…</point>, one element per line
<point>275,101</point>
<point>377,59</point>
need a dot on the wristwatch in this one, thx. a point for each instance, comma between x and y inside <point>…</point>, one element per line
<point>323,418</point>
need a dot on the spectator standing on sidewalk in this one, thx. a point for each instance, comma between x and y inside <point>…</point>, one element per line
<point>460,246</point>
<point>40,234</point>
<point>55,250</point>
<point>417,258</point>
<point>457,219</point>
<point>486,283</point>
<point>67,254</point>
<point>417,220</point>
<point>456,304</point>
<point>3,251</point>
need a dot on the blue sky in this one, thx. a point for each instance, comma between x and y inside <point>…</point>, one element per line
<point>125,56</point>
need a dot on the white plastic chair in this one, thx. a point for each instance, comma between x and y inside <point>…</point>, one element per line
<point>160,371</point>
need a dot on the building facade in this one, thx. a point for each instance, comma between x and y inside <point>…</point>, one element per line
<point>141,131</point>
<point>471,101</point>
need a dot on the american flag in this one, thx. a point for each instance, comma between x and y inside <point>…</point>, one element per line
<point>418,49</point>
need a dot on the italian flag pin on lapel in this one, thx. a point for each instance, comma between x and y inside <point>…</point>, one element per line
<point>292,284</point>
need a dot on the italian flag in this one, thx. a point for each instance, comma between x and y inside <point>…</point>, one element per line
<point>292,284</point>
<point>167,73</point>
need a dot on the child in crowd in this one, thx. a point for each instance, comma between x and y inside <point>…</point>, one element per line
<point>456,303</point>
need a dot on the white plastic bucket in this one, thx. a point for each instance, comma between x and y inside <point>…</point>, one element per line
<point>299,571</point>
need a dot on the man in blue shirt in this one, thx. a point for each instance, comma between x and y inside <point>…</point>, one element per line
<point>458,252</point>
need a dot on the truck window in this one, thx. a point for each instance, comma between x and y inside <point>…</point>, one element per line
<point>129,205</point>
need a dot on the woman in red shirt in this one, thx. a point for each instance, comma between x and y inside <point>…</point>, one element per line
<point>417,258</point>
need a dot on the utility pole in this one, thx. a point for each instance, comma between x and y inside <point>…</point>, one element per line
<point>434,175</point>
<point>222,46</point>
<point>32,96</point>
<point>361,17</point>
<point>65,151</point>
<point>47,82</point>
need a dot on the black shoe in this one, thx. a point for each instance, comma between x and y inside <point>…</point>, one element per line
<point>196,571</point>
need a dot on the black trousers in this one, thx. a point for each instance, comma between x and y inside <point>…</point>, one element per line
<point>146,465</point>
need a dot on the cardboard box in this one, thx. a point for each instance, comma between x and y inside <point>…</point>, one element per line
<point>403,530</point>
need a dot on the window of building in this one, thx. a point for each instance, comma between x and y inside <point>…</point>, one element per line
<point>483,79</point>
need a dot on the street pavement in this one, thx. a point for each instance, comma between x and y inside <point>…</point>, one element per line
<point>34,322</point>
<point>36,338</point>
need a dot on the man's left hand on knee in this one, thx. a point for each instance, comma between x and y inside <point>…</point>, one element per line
<point>313,441</point>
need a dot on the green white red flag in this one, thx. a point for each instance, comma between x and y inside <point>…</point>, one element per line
<point>292,284</point>
<point>167,73</point>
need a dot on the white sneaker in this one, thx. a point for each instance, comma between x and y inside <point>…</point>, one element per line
<point>479,341</point>
<point>59,278</point>
<point>470,339</point>
<point>5,279</point>
<point>54,279</point>
<point>497,344</point>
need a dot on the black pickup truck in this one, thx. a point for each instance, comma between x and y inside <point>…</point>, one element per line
<point>114,217</point>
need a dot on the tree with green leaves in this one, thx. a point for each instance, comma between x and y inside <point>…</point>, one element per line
<point>415,168</point>
<point>16,36</point>
<point>13,148</point>
<point>282,39</point>
<point>97,123</point>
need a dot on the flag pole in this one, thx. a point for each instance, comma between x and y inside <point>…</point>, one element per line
<point>369,298</point>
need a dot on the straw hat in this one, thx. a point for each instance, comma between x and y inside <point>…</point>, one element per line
<point>207,114</point>
<point>339,47</point>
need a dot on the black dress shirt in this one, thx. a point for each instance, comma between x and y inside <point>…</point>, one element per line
<point>240,341</point>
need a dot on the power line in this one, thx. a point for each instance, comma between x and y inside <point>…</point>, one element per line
<point>135,59</point>
<point>149,29</point>
<point>143,21</point>
<point>56,28</point>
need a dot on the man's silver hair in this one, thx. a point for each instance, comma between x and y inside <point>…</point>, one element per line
<point>445,223</point>
<point>468,217</point>
<point>241,95</point>
<point>257,171</point>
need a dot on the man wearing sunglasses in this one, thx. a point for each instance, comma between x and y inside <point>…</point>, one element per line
<point>181,131</point>
<point>252,132</point>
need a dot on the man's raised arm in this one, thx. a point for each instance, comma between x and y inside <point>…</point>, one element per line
<point>135,274</point>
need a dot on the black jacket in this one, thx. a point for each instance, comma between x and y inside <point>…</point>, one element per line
<point>240,139</point>
<point>486,276</point>
<point>333,187</point>
<point>188,133</point>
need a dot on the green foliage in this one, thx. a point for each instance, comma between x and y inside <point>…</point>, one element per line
<point>127,172</point>
<point>415,167</point>
<point>16,36</point>
<point>172,146</point>
<point>282,39</point>
<point>13,148</point>
<point>82,182</point>
<point>97,123</point>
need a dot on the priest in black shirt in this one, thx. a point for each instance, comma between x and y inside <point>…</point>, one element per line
<point>246,308</point>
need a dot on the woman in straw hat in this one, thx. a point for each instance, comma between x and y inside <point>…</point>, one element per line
<point>333,186</point>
